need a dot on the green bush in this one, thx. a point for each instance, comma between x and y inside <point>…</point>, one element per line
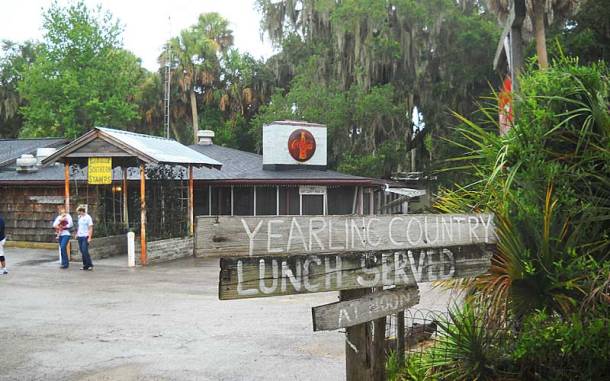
<point>575,348</point>
<point>548,182</point>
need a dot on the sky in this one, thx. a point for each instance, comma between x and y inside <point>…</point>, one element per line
<point>146,24</point>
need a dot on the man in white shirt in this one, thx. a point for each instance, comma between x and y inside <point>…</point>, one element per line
<point>84,235</point>
<point>62,224</point>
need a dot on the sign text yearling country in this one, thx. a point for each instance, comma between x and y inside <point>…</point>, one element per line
<point>282,235</point>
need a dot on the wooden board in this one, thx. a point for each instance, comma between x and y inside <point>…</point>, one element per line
<point>254,277</point>
<point>366,308</point>
<point>284,235</point>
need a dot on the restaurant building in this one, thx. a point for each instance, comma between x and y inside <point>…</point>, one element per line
<point>290,178</point>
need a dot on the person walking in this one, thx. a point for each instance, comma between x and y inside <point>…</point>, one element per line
<point>84,235</point>
<point>62,224</point>
<point>3,269</point>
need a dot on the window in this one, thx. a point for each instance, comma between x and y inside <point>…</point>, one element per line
<point>366,202</point>
<point>313,204</point>
<point>266,201</point>
<point>289,201</point>
<point>201,200</point>
<point>243,201</point>
<point>221,201</point>
<point>340,200</point>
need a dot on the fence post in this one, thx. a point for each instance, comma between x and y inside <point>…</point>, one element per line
<point>131,249</point>
<point>378,357</point>
<point>400,337</point>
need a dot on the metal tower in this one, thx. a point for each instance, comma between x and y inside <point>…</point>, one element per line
<point>166,83</point>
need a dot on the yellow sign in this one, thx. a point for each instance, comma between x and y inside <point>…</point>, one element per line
<point>100,170</point>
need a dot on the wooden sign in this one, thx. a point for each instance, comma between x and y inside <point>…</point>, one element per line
<point>285,235</point>
<point>369,307</point>
<point>254,277</point>
<point>100,170</point>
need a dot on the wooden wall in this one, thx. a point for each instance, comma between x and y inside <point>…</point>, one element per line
<point>29,210</point>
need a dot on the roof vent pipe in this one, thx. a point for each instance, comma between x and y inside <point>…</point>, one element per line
<point>205,137</point>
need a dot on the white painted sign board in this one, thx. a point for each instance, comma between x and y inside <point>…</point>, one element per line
<point>275,144</point>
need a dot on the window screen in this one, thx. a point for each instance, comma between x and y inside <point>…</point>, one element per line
<point>243,201</point>
<point>289,201</point>
<point>201,200</point>
<point>313,204</point>
<point>266,202</point>
<point>340,200</point>
<point>221,201</point>
<point>366,203</point>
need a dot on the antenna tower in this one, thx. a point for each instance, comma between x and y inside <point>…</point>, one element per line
<point>166,82</point>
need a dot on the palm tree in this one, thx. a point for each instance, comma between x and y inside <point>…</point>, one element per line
<point>196,59</point>
<point>540,14</point>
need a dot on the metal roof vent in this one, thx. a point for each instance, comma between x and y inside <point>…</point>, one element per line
<point>205,137</point>
<point>26,164</point>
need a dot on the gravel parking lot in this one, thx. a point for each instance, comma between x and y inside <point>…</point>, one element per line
<point>162,322</point>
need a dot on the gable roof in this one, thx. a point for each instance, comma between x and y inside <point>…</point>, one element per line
<point>12,149</point>
<point>146,148</point>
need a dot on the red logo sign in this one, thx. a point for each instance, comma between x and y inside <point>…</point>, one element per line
<point>301,145</point>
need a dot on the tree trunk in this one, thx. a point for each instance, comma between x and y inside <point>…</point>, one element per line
<point>195,117</point>
<point>175,131</point>
<point>539,29</point>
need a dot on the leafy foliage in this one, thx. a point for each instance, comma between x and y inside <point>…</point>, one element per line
<point>81,77</point>
<point>466,348</point>
<point>547,181</point>
<point>586,34</point>
<point>380,62</point>
<point>14,59</point>
<point>552,348</point>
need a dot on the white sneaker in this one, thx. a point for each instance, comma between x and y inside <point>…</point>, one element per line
<point>4,271</point>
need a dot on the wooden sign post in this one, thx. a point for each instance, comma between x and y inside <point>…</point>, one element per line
<point>375,262</point>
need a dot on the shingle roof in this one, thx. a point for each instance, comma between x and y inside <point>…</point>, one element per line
<point>11,149</point>
<point>240,166</point>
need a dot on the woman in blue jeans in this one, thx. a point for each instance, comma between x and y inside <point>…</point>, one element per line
<point>63,224</point>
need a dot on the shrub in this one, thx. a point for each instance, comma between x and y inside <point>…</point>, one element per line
<point>554,348</point>
<point>548,182</point>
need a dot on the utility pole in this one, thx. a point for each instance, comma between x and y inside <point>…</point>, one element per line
<point>166,83</point>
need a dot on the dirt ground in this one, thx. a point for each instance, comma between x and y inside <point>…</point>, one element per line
<point>162,322</point>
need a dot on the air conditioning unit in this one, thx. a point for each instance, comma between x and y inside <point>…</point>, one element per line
<point>291,144</point>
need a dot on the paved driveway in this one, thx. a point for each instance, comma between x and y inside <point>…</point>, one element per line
<point>163,322</point>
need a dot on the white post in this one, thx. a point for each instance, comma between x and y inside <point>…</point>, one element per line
<point>231,199</point>
<point>209,200</point>
<point>300,203</point>
<point>131,249</point>
<point>277,200</point>
<point>255,200</point>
